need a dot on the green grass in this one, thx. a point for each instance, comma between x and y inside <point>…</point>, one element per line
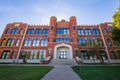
<point>98,72</point>
<point>23,72</point>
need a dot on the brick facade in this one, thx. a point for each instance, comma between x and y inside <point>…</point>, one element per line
<point>111,50</point>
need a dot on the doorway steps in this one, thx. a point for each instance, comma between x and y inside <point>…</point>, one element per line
<point>63,62</point>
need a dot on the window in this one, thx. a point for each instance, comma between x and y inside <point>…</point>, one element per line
<point>105,31</point>
<point>118,52</point>
<point>13,54</point>
<point>5,54</point>
<point>98,42</point>
<point>27,42</point>
<point>17,42</point>
<point>21,31</point>
<point>14,31</point>
<point>109,42</point>
<point>80,31</point>
<point>7,31</point>
<point>51,27</point>
<point>45,31</point>
<point>110,29</point>
<point>82,41</point>
<point>30,31</point>
<point>62,39</point>
<point>10,42</point>
<point>74,27</point>
<point>95,31</point>
<point>42,54</point>
<point>33,54</point>
<point>88,31</point>
<point>63,31</point>
<point>113,55</point>
<point>84,55</point>
<point>90,41</point>
<point>38,31</point>
<point>103,54</point>
<point>36,42</point>
<point>44,41</point>
<point>3,42</point>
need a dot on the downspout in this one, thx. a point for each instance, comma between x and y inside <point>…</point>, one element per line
<point>105,44</point>
<point>21,44</point>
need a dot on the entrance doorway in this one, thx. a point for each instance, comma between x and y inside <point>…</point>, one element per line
<point>63,51</point>
<point>63,55</point>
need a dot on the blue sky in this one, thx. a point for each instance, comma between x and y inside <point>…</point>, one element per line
<point>39,11</point>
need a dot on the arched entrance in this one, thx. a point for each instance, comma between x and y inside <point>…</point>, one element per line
<point>63,51</point>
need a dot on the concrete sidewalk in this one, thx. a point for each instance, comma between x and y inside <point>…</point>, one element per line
<point>61,72</point>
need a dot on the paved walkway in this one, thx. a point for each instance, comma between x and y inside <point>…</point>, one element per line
<point>61,72</point>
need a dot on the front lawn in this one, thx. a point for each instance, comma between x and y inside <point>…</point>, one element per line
<point>23,72</point>
<point>98,72</point>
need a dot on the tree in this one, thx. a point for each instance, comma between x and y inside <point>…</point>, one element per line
<point>116,18</point>
<point>115,33</point>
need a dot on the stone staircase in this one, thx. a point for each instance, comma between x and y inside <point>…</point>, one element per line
<point>63,62</point>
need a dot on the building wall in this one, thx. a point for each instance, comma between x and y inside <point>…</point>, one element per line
<point>52,35</point>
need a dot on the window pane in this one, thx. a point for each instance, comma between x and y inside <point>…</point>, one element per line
<point>80,31</point>
<point>21,31</point>
<point>7,31</point>
<point>62,39</point>
<point>63,31</point>
<point>17,42</point>
<point>95,31</point>
<point>14,31</point>
<point>44,41</point>
<point>88,31</point>
<point>45,31</point>
<point>38,31</point>
<point>82,41</point>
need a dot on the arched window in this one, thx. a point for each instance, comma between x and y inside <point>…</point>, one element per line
<point>3,42</point>
<point>5,54</point>
<point>13,55</point>
<point>113,55</point>
<point>10,41</point>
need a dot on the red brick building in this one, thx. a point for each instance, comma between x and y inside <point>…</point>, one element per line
<point>60,40</point>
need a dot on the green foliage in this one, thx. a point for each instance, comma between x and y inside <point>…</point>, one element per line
<point>115,34</point>
<point>98,72</point>
<point>116,18</point>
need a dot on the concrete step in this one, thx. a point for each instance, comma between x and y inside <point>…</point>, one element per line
<point>63,62</point>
